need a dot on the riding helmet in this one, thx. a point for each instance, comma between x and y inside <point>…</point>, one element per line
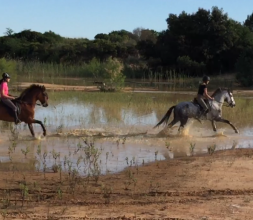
<point>206,78</point>
<point>6,76</point>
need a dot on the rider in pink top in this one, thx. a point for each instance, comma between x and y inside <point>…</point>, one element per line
<point>5,97</point>
<point>4,90</point>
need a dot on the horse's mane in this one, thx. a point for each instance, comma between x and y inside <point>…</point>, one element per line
<point>31,87</point>
<point>218,91</point>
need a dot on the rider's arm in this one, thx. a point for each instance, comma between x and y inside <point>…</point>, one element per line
<point>10,95</point>
<point>206,94</point>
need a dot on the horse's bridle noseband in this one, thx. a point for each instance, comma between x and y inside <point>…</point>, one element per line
<point>45,103</point>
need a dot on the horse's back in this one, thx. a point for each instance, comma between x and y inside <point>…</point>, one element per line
<point>186,109</point>
<point>184,104</point>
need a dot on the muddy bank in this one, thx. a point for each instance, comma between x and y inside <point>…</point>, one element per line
<point>217,186</point>
<point>57,87</point>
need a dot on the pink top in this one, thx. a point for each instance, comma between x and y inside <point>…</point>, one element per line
<point>4,88</point>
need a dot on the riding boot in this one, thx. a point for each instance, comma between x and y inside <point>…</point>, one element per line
<point>16,118</point>
<point>205,113</point>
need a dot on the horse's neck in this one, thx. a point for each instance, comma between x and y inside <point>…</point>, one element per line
<point>220,97</point>
<point>30,98</point>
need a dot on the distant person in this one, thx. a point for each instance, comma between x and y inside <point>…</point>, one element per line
<point>6,97</point>
<point>202,94</point>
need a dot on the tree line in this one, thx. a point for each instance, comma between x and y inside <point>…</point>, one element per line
<point>204,42</point>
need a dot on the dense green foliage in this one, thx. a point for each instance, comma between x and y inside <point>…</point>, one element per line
<point>207,41</point>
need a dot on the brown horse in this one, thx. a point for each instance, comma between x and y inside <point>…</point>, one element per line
<point>26,103</point>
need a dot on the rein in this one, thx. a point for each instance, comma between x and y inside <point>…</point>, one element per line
<point>32,103</point>
<point>223,104</point>
<point>20,101</point>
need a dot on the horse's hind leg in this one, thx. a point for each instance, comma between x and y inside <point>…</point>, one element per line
<point>183,123</point>
<point>174,121</point>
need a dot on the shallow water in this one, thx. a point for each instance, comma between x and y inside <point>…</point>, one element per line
<point>120,125</point>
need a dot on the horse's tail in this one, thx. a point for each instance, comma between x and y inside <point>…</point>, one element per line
<point>166,117</point>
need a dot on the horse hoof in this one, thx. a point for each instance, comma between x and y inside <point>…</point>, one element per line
<point>44,134</point>
<point>237,132</point>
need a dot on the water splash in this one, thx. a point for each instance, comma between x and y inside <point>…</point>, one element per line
<point>219,134</point>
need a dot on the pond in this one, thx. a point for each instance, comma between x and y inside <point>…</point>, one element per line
<point>98,133</point>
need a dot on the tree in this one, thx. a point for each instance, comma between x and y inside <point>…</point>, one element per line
<point>249,22</point>
<point>244,67</point>
<point>137,32</point>
<point>8,32</point>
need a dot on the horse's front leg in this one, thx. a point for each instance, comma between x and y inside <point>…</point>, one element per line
<point>34,121</point>
<point>214,125</point>
<point>228,122</point>
<point>30,126</point>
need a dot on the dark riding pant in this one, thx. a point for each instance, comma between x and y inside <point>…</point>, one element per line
<point>10,104</point>
<point>201,101</point>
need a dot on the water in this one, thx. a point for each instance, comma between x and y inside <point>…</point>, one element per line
<point>120,125</point>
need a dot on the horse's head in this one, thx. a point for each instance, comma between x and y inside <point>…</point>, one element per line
<point>224,95</point>
<point>33,93</point>
<point>229,98</point>
<point>43,96</point>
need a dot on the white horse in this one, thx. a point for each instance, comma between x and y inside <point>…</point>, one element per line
<point>185,110</point>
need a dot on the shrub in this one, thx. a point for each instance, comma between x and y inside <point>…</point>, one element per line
<point>8,66</point>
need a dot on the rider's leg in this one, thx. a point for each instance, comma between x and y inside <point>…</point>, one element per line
<point>10,104</point>
<point>203,105</point>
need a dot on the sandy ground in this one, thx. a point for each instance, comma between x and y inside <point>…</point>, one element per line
<point>58,87</point>
<point>217,186</point>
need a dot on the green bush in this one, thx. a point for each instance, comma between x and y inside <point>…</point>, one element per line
<point>8,66</point>
<point>113,74</point>
<point>189,66</point>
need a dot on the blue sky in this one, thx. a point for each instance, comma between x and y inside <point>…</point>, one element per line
<point>86,18</point>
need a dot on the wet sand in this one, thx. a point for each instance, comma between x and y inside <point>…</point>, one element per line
<point>217,186</point>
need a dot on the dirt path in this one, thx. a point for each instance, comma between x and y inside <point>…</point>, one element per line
<point>217,186</point>
<point>58,87</point>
